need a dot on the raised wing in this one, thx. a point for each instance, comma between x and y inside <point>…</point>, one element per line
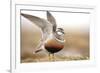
<point>45,26</point>
<point>41,23</point>
<point>52,20</point>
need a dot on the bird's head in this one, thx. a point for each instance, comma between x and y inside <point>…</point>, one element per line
<point>60,31</point>
<point>59,34</point>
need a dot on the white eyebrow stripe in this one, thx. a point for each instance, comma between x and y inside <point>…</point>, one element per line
<point>59,33</point>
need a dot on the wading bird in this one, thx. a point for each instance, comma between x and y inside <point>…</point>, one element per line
<point>52,37</point>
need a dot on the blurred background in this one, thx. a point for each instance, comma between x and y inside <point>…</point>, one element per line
<point>76,27</point>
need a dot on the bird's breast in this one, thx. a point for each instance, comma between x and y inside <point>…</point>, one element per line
<point>52,45</point>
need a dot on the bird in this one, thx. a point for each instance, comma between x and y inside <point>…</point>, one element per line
<point>52,37</point>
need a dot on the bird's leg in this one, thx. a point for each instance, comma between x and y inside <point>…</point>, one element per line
<point>51,57</point>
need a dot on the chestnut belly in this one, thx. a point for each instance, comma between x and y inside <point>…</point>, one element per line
<point>53,46</point>
<point>53,49</point>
